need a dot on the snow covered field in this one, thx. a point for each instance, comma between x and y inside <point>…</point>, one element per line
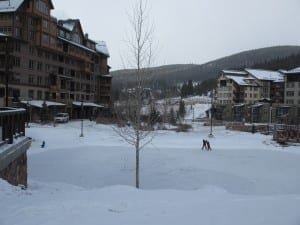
<point>246,179</point>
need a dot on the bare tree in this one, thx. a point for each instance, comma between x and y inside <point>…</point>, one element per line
<point>137,129</point>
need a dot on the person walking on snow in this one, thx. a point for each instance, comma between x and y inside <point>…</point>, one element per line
<point>208,146</point>
<point>204,145</point>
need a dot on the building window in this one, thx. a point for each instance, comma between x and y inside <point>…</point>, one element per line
<point>52,41</point>
<point>18,47</point>
<point>47,95</point>
<point>290,85</point>
<point>47,67</point>
<point>31,50</point>
<point>45,24</point>
<point>17,61</point>
<point>31,94</point>
<point>39,66</point>
<point>62,95</point>
<point>18,32</point>
<point>6,30</point>
<point>40,53</point>
<point>16,78</point>
<point>39,80</point>
<point>31,64</point>
<point>42,7</point>
<point>290,101</point>
<point>47,55</point>
<point>61,33</point>
<point>290,93</point>
<point>31,35</point>
<point>31,79</point>
<point>45,38</point>
<point>39,95</point>
<point>47,81</point>
<point>68,36</point>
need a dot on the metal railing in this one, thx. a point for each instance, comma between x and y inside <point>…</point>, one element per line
<point>12,124</point>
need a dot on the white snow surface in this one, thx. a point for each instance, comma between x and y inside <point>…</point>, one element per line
<point>246,179</point>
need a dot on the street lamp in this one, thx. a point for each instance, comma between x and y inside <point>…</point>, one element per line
<point>28,112</point>
<point>211,112</point>
<point>270,117</point>
<point>6,71</point>
<point>81,135</point>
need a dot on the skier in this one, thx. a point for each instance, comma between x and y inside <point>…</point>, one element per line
<point>43,144</point>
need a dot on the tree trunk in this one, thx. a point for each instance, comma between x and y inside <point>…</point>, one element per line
<point>137,167</point>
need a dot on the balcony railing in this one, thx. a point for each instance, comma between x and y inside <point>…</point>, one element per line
<point>12,124</point>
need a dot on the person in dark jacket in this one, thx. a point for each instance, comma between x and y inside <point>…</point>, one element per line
<point>204,145</point>
<point>208,146</point>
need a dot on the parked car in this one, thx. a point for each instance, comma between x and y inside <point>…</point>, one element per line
<point>61,117</point>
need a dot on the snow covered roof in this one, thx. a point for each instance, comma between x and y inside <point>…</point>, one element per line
<point>101,47</point>
<point>293,71</point>
<point>237,79</point>
<point>107,75</point>
<point>10,5</point>
<point>39,103</point>
<point>69,25</point>
<point>1,34</point>
<point>266,74</point>
<point>87,104</point>
<point>239,105</point>
<point>237,72</point>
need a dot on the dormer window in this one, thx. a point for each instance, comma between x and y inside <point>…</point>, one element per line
<point>68,36</point>
<point>42,7</point>
<point>76,38</point>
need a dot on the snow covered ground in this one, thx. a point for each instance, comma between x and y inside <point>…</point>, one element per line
<point>245,179</point>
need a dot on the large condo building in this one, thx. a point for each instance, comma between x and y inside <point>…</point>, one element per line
<point>42,58</point>
<point>250,85</point>
<point>292,86</point>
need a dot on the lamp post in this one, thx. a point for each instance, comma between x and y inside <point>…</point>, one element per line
<point>81,134</point>
<point>270,118</point>
<point>28,112</point>
<point>6,71</point>
<point>211,112</point>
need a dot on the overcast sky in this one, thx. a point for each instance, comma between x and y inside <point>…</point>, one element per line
<point>190,31</point>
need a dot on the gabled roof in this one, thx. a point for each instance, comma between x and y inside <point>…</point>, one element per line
<point>235,72</point>
<point>265,74</point>
<point>101,47</point>
<point>240,80</point>
<point>13,5</point>
<point>10,5</point>
<point>292,71</point>
<point>70,24</point>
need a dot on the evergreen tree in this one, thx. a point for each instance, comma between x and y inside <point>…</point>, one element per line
<point>181,111</point>
<point>190,88</point>
<point>184,90</point>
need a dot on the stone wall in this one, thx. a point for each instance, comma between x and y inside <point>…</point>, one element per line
<point>13,161</point>
<point>16,172</point>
